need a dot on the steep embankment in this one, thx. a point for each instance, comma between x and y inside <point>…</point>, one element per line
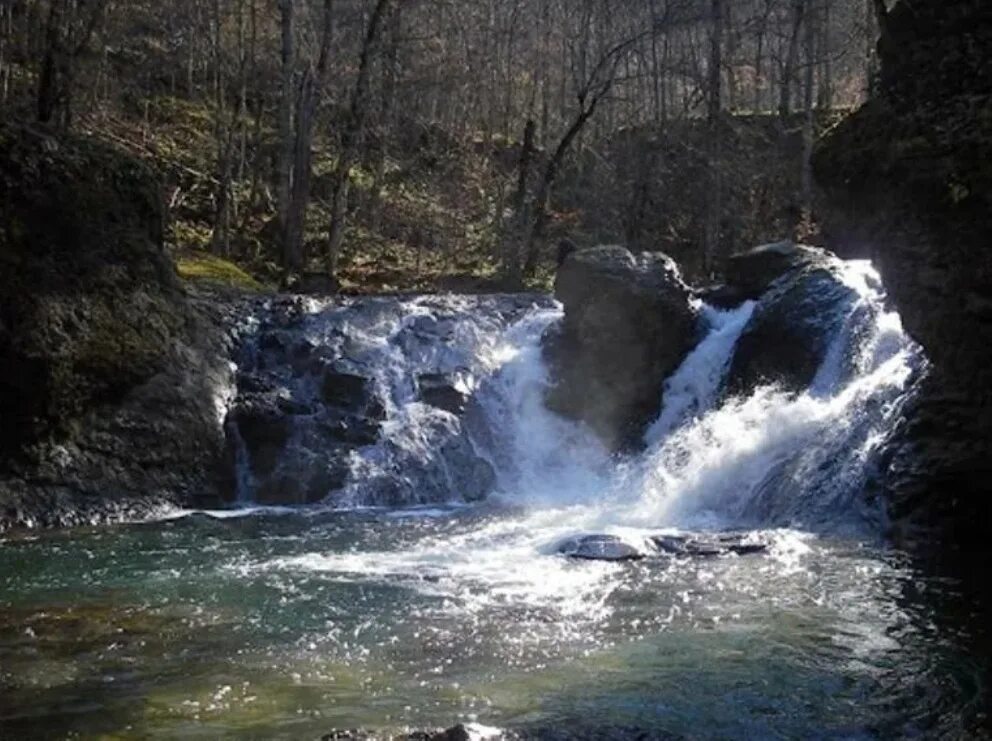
<point>110,375</point>
<point>910,181</point>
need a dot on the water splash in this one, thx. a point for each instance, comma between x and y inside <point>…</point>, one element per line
<point>694,387</point>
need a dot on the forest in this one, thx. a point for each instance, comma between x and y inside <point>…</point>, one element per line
<point>390,145</point>
<point>495,370</point>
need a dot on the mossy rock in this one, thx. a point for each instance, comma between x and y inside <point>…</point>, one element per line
<point>213,270</point>
<point>90,304</point>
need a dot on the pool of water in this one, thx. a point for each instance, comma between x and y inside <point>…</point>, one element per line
<point>278,624</point>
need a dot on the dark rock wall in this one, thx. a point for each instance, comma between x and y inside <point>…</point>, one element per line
<point>109,373</point>
<point>628,324</point>
<point>909,179</point>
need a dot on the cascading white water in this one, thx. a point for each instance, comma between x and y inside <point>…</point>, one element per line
<point>694,387</point>
<point>416,616</point>
<point>770,458</point>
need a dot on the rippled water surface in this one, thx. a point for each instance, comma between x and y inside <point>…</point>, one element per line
<point>288,625</point>
<point>291,623</point>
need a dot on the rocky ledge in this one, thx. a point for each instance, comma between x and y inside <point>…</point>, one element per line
<point>909,182</point>
<point>112,375</point>
<point>628,324</point>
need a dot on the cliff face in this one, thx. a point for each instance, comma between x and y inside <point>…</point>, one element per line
<point>108,373</point>
<point>909,179</point>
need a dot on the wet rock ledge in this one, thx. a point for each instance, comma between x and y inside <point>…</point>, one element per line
<point>909,183</point>
<point>111,373</point>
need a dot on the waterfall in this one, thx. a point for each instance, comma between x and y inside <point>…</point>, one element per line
<point>693,388</point>
<point>447,406</point>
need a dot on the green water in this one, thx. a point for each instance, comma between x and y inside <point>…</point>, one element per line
<point>291,625</point>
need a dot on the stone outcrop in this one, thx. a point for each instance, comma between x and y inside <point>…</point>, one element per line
<point>802,302</point>
<point>910,185</point>
<point>628,324</point>
<point>358,401</point>
<point>110,374</point>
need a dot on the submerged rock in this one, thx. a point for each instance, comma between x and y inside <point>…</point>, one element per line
<point>344,389</point>
<point>628,324</point>
<point>460,732</point>
<point>599,548</point>
<point>720,544</point>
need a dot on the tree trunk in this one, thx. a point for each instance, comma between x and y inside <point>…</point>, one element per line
<point>224,140</point>
<point>308,100</point>
<point>714,201</point>
<point>390,74</point>
<point>5,34</point>
<point>66,37</point>
<point>48,78</point>
<point>825,93</point>
<point>352,135</point>
<point>292,259</point>
<point>541,200</point>
<point>791,60</point>
<point>809,50</point>
<point>512,239</point>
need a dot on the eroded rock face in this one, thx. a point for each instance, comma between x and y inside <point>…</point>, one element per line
<point>910,185</point>
<point>752,272</point>
<point>364,400</point>
<point>628,324</point>
<point>803,300</point>
<point>110,374</point>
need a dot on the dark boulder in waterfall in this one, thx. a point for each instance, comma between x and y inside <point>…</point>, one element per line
<point>264,429</point>
<point>628,324</point>
<point>721,296</point>
<point>803,303</point>
<point>343,389</point>
<point>111,374</point>
<point>444,391</point>
<point>750,273</point>
<point>599,548</point>
<point>908,180</point>
<point>365,400</point>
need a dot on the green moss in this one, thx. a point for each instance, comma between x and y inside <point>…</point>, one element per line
<point>213,269</point>
<point>190,235</point>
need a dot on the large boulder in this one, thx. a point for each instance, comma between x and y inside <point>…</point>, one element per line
<point>629,322</point>
<point>111,377</point>
<point>803,303</point>
<point>752,272</point>
<point>909,183</point>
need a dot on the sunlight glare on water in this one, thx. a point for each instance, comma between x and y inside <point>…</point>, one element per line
<point>289,622</point>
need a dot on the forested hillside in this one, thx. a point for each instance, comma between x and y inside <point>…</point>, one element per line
<point>420,144</point>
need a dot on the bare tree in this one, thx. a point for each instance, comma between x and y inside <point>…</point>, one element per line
<point>791,59</point>
<point>292,261</point>
<point>312,82</point>
<point>68,31</point>
<point>714,206</point>
<point>593,88</point>
<point>352,134</point>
